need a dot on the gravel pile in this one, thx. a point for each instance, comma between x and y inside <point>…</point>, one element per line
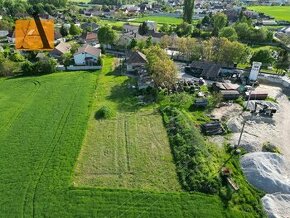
<point>277,205</point>
<point>267,171</point>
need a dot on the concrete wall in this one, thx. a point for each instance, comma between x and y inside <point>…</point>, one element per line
<point>282,80</point>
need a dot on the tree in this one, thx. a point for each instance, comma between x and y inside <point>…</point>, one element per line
<point>221,50</point>
<point>264,56</point>
<point>205,20</point>
<point>219,21</point>
<point>165,28</point>
<point>184,29</point>
<point>229,33</point>
<point>7,67</point>
<point>188,11</point>
<point>242,30</point>
<point>66,59</point>
<point>282,62</point>
<point>63,31</point>
<point>16,57</point>
<point>148,42</point>
<point>74,30</point>
<point>27,68</point>
<point>133,43</point>
<point>107,35</point>
<point>162,69</point>
<point>45,66</point>
<point>143,29</point>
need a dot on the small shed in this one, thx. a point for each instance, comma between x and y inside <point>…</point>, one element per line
<point>230,94</point>
<point>257,95</point>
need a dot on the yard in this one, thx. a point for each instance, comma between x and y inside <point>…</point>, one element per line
<point>43,122</point>
<point>279,12</point>
<point>130,150</point>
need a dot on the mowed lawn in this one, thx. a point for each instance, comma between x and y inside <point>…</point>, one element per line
<point>160,20</point>
<point>279,12</point>
<point>43,121</point>
<point>129,151</point>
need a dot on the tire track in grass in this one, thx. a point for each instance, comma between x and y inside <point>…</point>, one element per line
<point>126,144</point>
<point>53,145</point>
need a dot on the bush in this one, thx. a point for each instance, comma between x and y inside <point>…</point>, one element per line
<point>268,147</point>
<point>104,112</point>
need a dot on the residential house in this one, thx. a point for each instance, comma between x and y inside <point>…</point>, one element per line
<point>91,39</point>
<point>151,25</point>
<point>136,60</point>
<point>87,55</point>
<point>128,28</point>
<point>60,49</point>
<point>58,38</point>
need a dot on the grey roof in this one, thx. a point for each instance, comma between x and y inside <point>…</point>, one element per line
<point>137,57</point>
<point>209,69</point>
<point>3,33</point>
<point>89,50</point>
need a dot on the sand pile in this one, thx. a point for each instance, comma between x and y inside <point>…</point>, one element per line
<point>269,172</point>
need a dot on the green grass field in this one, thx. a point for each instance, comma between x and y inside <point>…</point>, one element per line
<point>130,150</point>
<point>160,20</point>
<point>43,122</point>
<point>279,12</point>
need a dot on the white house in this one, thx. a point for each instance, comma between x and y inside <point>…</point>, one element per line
<point>87,55</point>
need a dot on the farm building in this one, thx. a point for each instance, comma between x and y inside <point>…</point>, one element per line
<point>136,60</point>
<point>256,95</point>
<point>205,69</point>
<point>87,55</point>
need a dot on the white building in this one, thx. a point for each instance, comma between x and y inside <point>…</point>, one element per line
<point>87,55</point>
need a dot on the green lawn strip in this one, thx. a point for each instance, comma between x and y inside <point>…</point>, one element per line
<point>130,150</point>
<point>160,19</point>
<point>279,12</point>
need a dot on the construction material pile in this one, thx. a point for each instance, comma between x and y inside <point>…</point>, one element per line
<point>267,171</point>
<point>277,205</point>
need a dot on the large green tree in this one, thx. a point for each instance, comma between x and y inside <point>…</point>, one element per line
<point>188,10</point>
<point>162,69</point>
<point>107,35</point>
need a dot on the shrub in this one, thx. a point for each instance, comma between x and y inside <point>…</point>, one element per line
<point>104,112</point>
<point>268,147</point>
<point>193,157</point>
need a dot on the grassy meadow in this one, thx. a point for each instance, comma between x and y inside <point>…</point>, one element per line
<point>160,20</point>
<point>43,122</point>
<point>279,12</point>
<point>130,150</point>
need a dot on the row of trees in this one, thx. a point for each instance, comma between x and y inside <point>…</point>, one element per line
<point>215,49</point>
